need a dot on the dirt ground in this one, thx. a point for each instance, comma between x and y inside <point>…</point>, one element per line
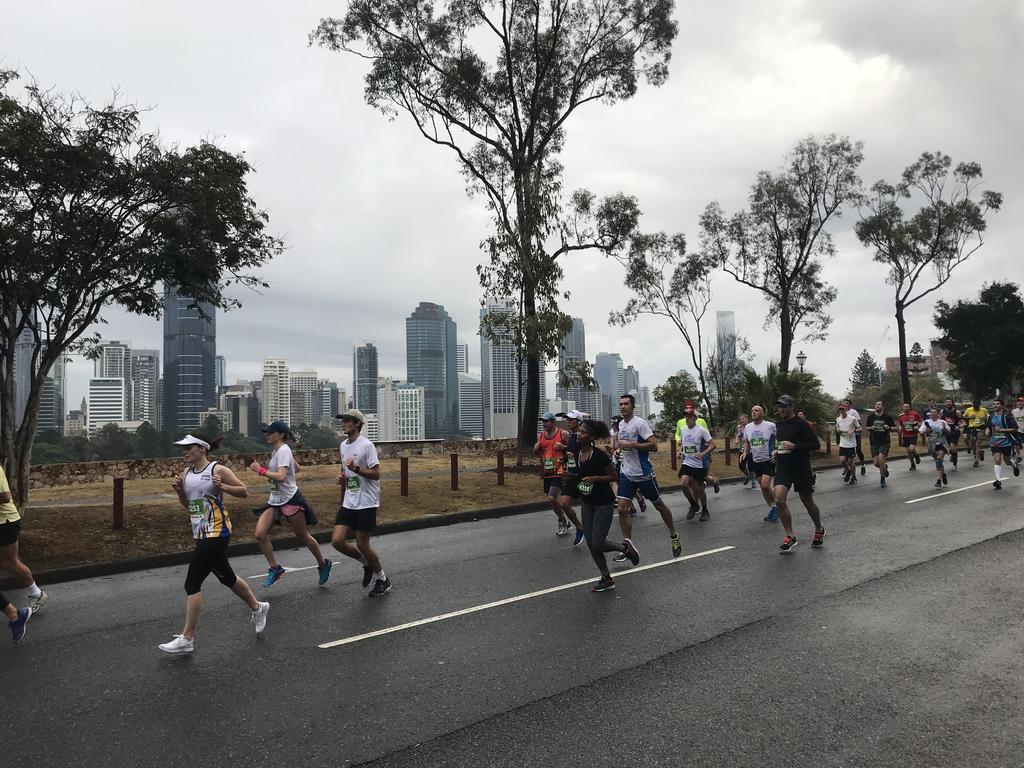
<point>54,536</point>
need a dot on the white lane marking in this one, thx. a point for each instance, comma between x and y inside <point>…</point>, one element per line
<point>955,490</point>
<point>289,570</point>
<point>516,599</point>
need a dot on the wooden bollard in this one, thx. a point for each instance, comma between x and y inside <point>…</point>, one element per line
<point>728,451</point>
<point>404,473</point>
<point>675,458</point>
<point>455,471</point>
<point>118,507</point>
<point>501,467</point>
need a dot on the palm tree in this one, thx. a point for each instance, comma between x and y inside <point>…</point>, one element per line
<point>805,388</point>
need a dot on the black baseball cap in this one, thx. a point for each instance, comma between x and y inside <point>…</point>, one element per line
<point>786,401</point>
<point>277,426</point>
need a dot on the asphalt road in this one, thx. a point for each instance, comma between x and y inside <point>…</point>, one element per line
<point>897,644</point>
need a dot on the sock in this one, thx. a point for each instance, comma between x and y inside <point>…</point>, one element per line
<point>999,471</point>
<point>33,590</point>
<point>379,576</point>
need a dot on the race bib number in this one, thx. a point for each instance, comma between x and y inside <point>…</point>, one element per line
<point>570,461</point>
<point>352,483</point>
<point>782,451</point>
<point>586,488</point>
<point>625,451</point>
<point>273,485</point>
<point>879,426</point>
<point>910,425</point>
<point>756,442</point>
<point>690,450</point>
<point>549,463</point>
<point>197,516</point>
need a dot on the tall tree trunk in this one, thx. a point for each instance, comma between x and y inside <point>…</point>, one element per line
<point>901,331</point>
<point>530,404</point>
<point>786,336</point>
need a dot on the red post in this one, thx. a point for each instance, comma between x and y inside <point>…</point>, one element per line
<point>728,451</point>
<point>404,475</point>
<point>501,467</point>
<point>118,503</point>
<point>674,457</point>
<point>455,471</point>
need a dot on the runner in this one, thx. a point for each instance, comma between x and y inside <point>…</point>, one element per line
<point>951,416</point>
<point>569,490</point>
<point>1018,414</point>
<point>909,422</point>
<point>285,501</point>
<point>690,407</point>
<point>591,475</point>
<point>551,446</point>
<point>857,435</point>
<point>696,444</point>
<point>803,416</point>
<point>1001,429</point>
<point>796,441</point>
<point>759,444</point>
<point>17,618</point>
<point>636,440</point>
<point>744,462</point>
<point>975,417</point>
<point>617,458</point>
<point>937,432</point>
<point>10,532</point>
<point>360,476</point>
<point>201,490</point>
<point>847,426</point>
<point>880,426</point>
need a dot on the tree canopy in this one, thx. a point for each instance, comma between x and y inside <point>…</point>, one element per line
<point>866,372</point>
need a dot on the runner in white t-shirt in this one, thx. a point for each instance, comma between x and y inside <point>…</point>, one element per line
<point>695,443</point>
<point>857,436</point>
<point>1018,414</point>
<point>847,426</point>
<point>360,476</point>
<point>936,430</point>
<point>759,441</point>
<point>287,502</point>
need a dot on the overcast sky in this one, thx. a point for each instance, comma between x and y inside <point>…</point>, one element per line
<point>376,220</point>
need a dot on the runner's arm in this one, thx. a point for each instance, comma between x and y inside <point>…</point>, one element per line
<point>229,482</point>
<point>650,444</point>
<point>809,440</point>
<point>178,484</point>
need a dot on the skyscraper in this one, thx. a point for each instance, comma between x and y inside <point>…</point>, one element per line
<point>329,401</point>
<point>499,395</point>
<point>609,374</point>
<point>364,377</point>
<point>144,375</point>
<point>190,368</point>
<point>631,380</point>
<point>304,409</point>
<point>222,371</point>
<point>571,354</point>
<point>471,408</point>
<point>432,362</point>
<point>24,346</point>
<point>276,393</point>
<point>400,414</point>
<point>463,355</point>
<point>106,403</point>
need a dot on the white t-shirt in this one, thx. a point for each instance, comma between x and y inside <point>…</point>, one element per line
<point>282,490</point>
<point>936,430</point>
<point>850,425</point>
<point>856,414</point>
<point>635,464</point>
<point>1018,414</point>
<point>360,492</point>
<point>762,439</point>
<point>693,440</point>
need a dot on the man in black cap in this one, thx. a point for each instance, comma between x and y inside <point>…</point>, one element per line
<point>796,440</point>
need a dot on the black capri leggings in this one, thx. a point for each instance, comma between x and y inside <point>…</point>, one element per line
<point>210,556</point>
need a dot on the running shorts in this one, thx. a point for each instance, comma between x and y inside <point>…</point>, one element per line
<point>1005,450</point>
<point>628,488</point>
<point>210,556</point>
<point>357,519</point>
<point>803,484</point>
<point>295,504</point>
<point>9,533</point>
<point>879,448</point>
<point>762,468</point>
<point>553,487</point>
<point>848,452</point>
<point>571,487</point>
<point>697,473</point>
<point>908,441</point>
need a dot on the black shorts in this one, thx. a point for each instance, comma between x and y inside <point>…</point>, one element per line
<point>762,468</point>
<point>908,441</point>
<point>357,519</point>
<point>210,556</point>
<point>1005,450</point>
<point>9,533</point>
<point>802,484</point>
<point>697,473</point>
<point>879,448</point>
<point>848,452</point>
<point>571,487</point>
<point>553,487</point>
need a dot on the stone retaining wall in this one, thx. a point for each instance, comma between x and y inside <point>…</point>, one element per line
<point>52,475</point>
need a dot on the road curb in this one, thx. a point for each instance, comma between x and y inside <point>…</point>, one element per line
<point>168,559</point>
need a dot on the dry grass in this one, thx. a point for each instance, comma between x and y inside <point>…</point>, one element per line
<point>57,537</point>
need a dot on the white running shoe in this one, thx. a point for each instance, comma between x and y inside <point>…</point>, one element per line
<point>259,617</point>
<point>178,645</point>
<point>37,602</point>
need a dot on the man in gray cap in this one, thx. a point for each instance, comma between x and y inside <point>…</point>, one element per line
<point>796,440</point>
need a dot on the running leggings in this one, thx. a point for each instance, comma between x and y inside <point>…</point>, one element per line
<point>210,556</point>
<point>597,521</point>
<point>4,602</point>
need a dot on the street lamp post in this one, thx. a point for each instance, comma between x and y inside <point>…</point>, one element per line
<point>801,358</point>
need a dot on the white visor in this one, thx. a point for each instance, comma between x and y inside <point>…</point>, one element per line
<point>190,440</point>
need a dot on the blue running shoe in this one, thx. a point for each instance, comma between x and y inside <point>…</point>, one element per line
<point>578,538</point>
<point>773,515</point>
<point>20,625</point>
<point>883,482</point>
<point>273,575</point>
<point>324,571</point>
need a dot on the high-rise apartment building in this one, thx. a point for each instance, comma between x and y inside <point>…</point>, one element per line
<point>471,406</point>
<point>276,393</point>
<point>498,371</point>
<point>401,410</point>
<point>190,354</point>
<point>329,401</point>
<point>571,354</point>
<point>304,386</point>
<point>106,403</point>
<point>432,363</point>
<point>144,375</point>
<point>610,377</point>
<point>643,402</point>
<point>631,380</point>
<point>222,371</point>
<point>364,377</point>
<point>238,400</point>
<point>462,355</point>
